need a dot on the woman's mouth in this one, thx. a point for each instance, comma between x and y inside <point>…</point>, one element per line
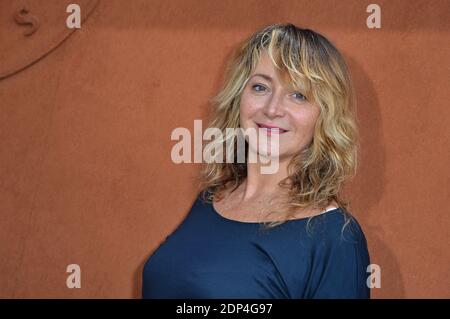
<point>271,129</point>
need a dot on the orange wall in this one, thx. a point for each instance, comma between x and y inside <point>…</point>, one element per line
<point>85,170</point>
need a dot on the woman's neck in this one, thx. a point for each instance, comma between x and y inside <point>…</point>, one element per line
<point>258,185</point>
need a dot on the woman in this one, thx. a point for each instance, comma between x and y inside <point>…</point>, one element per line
<point>282,235</point>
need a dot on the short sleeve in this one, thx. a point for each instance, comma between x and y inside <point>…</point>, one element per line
<point>339,266</point>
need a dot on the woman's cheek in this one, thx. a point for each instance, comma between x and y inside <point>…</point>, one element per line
<point>246,112</point>
<point>250,108</point>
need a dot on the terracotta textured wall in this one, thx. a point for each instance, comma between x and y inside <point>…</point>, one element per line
<point>86,175</point>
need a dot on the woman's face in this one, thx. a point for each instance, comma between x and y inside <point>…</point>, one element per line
<point>266,102</point>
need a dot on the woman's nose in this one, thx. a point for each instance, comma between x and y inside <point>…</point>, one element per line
<point>274,106</point>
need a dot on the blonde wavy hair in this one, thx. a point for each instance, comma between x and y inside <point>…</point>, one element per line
<point>317,173</point>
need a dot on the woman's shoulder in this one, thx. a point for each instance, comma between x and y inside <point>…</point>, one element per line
<point>341,258</point>
<point>337,227</point>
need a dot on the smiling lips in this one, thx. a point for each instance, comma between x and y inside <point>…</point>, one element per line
<point>271,129</point>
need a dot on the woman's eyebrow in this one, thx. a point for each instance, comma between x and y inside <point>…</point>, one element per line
<point>268,78</point>
<point>300,86</point>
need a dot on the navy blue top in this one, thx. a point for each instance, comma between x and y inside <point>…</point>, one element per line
<point>211,256</point>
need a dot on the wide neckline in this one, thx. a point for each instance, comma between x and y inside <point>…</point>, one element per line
<point>235,221</point>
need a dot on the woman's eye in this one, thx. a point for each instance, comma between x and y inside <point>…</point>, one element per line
<point>256,86</point>
<point>300,96</point>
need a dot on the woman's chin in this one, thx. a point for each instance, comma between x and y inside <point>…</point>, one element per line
<point>267,153</point>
